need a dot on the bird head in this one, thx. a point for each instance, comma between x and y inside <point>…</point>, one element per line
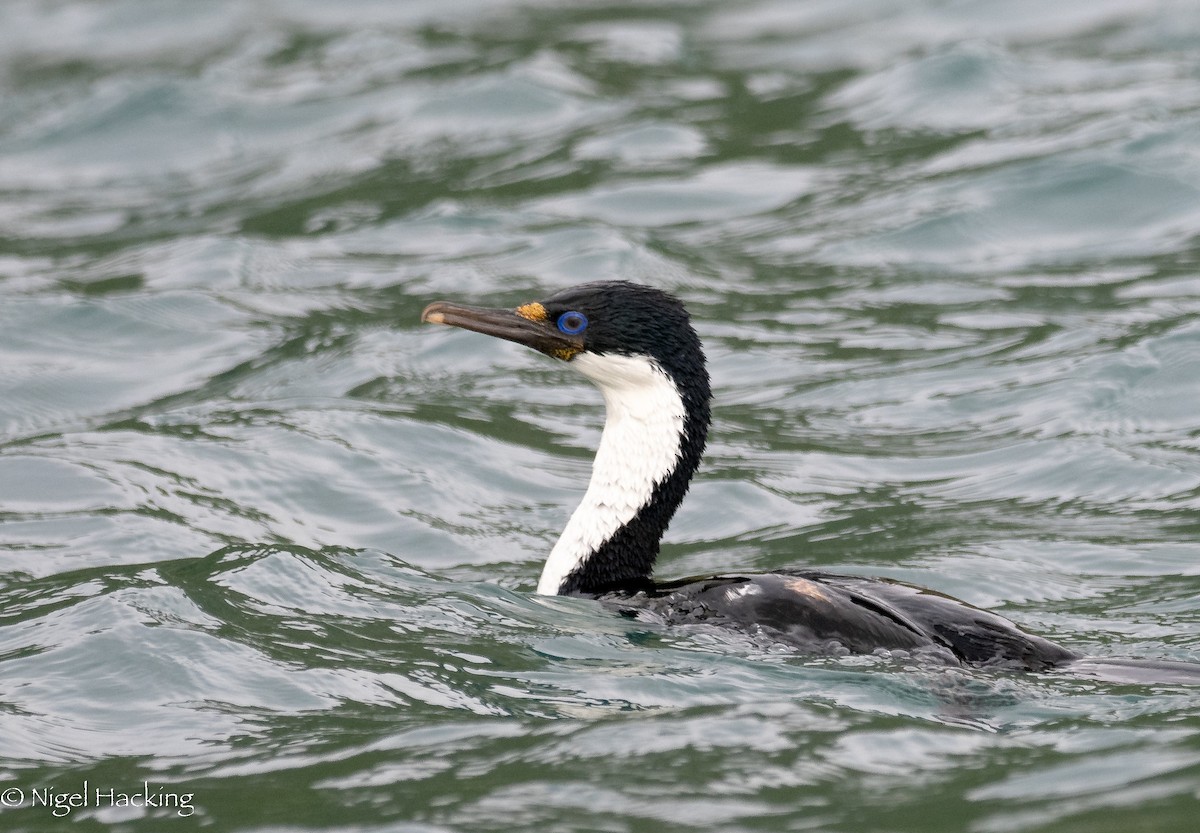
<point>605,318</point>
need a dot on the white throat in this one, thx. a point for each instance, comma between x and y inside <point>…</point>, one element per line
<point>643,432</point>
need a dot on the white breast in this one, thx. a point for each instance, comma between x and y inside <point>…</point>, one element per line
<point>643,430</point>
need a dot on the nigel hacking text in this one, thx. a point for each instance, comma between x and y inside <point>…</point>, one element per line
<point>62,802</point>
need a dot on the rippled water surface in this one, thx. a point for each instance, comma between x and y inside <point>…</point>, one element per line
<point>268,545</point>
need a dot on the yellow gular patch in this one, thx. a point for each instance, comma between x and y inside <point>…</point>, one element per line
<point>533,312</point>
<point>566,353</point>
<point>806,588</point>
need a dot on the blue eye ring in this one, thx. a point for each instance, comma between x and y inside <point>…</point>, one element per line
<point>572,323</point>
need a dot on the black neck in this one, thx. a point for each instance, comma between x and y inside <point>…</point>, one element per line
<point>625,562</point>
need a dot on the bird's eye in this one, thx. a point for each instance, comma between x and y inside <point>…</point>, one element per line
<point>572,323</point>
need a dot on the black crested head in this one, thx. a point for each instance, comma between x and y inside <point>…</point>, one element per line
<point>604,317</point>
<point>631,319</point>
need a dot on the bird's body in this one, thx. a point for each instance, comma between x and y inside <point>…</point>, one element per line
<point>822,613</point>
<point>638,346</point>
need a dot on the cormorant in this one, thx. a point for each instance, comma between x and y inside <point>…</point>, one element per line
<point>637,345</point>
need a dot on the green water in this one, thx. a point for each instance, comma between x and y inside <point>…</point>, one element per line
<point>268,545</point>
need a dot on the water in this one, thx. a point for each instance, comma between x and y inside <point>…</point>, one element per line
<point>267,544</point>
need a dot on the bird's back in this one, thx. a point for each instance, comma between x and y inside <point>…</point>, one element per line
<point>829,614</point>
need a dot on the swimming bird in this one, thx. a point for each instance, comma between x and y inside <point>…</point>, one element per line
<point>637,345</point>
